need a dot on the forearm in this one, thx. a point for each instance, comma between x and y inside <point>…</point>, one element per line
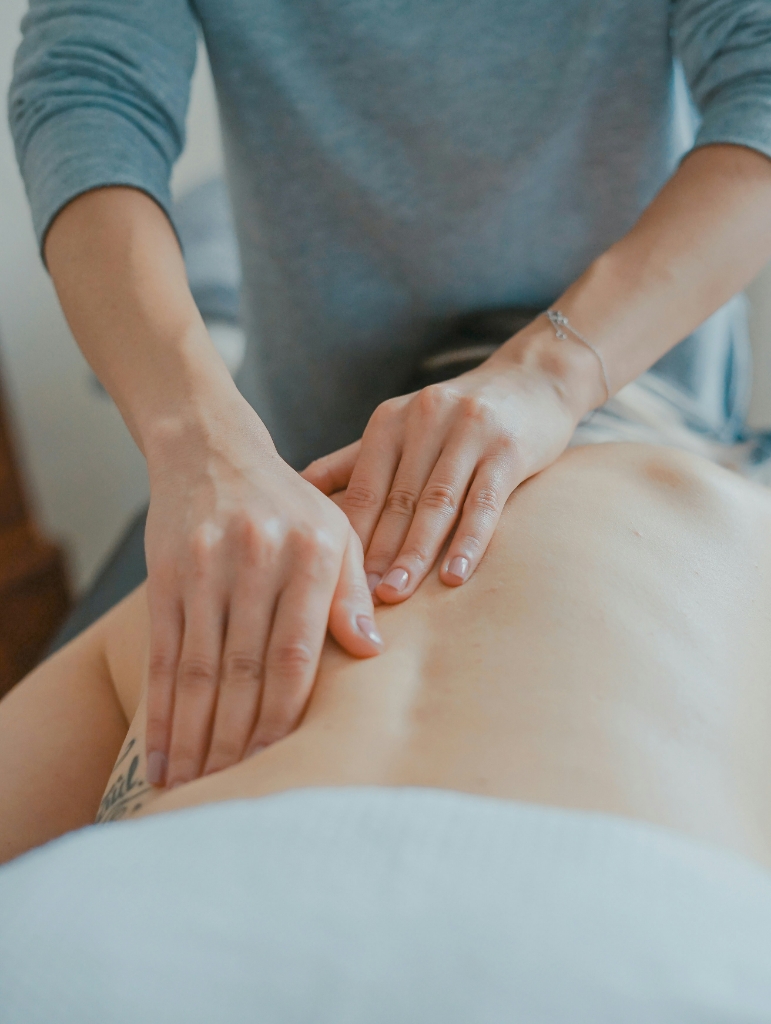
<point>121,280</point>
<point>702,240</point>
<point>248,564</point>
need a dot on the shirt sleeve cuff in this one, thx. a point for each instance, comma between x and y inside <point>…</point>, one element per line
<point>739,118</point>
<point>86,148</point>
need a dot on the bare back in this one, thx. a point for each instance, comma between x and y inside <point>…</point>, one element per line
<point>611,653</point>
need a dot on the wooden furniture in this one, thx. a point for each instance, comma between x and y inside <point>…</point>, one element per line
<point>34,592</point>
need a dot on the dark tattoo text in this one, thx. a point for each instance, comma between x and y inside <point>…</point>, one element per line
<point>127,791</point>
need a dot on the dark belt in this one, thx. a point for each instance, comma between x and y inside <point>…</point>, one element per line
<point>471,339</point>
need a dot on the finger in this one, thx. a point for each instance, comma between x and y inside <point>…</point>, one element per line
<point>437,511</point>
<point>165,643</point>
<point>487,496</point>
<point>351,617</point>
<point>374,471</point>
<point>242,671</point>
<point>332,472</point>
<point>195,691</point>
<point>414,471</point>
<point>294,648</point>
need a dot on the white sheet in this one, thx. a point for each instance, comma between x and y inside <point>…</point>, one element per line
<point>383,906</point>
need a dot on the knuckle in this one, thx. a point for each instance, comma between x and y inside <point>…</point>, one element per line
<point>315,546</point>
<point>292,658</point>
<point>302,545</point>
<point>439,498</point>
<point>486,500</point>
<point>325,545</point>
<point>416,553</point>
<point>433,399</point>
<point>477,410</point>
<point>247,535</point>
<point>204,542</point>
<point>401,502</point>
<point>161,666</point>
<point>509,441</point>
<point>508,448</point>
<point>358,595</point>
<point>384,413</point>
<point>196,674</point>
<point>204,539</point>
<point>241,669</point>
<point>361,498</point>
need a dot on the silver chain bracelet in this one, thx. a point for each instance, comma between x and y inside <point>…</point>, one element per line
<point>559,321</point>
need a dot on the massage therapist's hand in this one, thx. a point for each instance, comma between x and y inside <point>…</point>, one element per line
<point>247,564</point>
<point>451,454</point>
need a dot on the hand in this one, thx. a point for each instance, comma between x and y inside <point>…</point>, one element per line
<point>247,564</point>
<point>449,454</point>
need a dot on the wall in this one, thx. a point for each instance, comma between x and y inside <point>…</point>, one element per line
<point>86,477</point>
<point>759,294</point>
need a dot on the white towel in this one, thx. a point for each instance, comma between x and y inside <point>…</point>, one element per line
<point>383,906</point>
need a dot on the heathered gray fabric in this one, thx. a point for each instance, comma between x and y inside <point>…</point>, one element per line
<point>393,163</point>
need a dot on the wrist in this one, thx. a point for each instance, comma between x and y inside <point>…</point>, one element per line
<point>567,366</point>
<point>206,419</point>
<point>186,400</point>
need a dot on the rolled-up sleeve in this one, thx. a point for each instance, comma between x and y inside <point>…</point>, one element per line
<point>725,50</point>
<point>99,97</point>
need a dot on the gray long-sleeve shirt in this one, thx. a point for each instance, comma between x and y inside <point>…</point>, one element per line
<point>393,163</point>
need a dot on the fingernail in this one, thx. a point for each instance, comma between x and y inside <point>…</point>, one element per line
<point>179,782</point>
<point>396,579</point>
<point>458,567</point>
<point>258,747</point>
<point>156,768</point>
<point>368,628</point>
<point>373,580</point>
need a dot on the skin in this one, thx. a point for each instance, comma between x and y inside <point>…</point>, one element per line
<point>248,562</point>
<point>611,654</point>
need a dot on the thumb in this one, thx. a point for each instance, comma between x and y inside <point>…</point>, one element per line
<point>352,616</point>
<point>332,472</point>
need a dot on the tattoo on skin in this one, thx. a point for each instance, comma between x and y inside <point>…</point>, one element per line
<point>127,792</point>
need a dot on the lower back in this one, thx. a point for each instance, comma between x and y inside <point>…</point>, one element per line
<point>610,653</point>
